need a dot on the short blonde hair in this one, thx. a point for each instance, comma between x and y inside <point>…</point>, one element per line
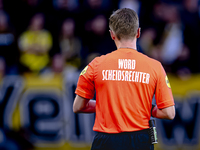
<point>124,23</point>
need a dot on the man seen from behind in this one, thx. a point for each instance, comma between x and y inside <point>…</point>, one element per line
<point>125,82</point>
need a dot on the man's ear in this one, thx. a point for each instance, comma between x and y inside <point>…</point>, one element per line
<point>138,32</point>
<point>112,34</point>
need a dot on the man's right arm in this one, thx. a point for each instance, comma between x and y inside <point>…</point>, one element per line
<point>165,113</point>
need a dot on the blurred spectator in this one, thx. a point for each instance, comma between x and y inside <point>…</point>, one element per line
<point>20,12</point>
<point>145,12</point>
<point>35,44</point>
<point>93,8</point>
<point>8,47</point>
<point>70,49</point>
<point>57,64</point>
<point>98,38</point>
<point>98,4</point>
<point>69,5</point>
<point>170,44</point>
<point>132,4</point>
<point>172,39</point>
<point>66,9</point>
<point>191,23</point>
<point>70,45</point>
<point>146,41</point>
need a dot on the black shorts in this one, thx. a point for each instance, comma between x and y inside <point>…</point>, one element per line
<point>137,140</point>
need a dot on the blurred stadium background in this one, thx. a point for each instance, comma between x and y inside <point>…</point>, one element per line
<point>44,44</point>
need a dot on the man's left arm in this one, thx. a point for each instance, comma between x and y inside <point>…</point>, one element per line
<point>83,105</point>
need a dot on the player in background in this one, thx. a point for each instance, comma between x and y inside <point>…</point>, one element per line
<point>125,82</point>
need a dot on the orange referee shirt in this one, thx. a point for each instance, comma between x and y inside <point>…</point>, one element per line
<point>125,82</point>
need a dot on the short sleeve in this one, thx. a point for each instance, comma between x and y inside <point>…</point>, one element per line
<point>163,93</point>
<point>85,86</point>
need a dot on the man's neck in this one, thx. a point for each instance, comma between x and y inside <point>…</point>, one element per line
<point>126,44</point>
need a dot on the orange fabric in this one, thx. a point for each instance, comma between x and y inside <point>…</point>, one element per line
<point>125,82</point>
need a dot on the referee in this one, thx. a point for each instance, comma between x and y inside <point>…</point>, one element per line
<point>125,82</point>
